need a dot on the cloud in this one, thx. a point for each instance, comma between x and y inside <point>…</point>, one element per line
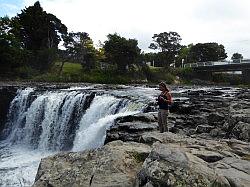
<point>222,21</point>
<point>222,10</point>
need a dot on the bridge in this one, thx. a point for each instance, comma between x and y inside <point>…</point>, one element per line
<point>205,69</point>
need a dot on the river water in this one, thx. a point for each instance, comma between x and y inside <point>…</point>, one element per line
<point>42,123</point>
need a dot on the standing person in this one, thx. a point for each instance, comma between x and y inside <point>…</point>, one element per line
<point>164,100</point>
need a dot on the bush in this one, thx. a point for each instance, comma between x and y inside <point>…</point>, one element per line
<point>162,74</point>
<point>26,72</point>
<point>232,79</point>
<point>185,73</point>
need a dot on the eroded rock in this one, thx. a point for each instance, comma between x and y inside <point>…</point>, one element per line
<point>115,164</point>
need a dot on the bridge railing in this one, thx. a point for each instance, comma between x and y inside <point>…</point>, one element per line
<point>214,63</point>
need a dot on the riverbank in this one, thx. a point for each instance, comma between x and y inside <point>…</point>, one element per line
<point>72,72</point>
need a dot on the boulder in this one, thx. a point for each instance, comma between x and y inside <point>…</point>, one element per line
<point>167,166</point>
<point>115,164</point>
<point>242,131</point>
<point>192,162</point>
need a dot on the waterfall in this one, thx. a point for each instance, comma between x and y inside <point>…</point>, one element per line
<point>98,118</point>
<point>62,120</point>
<point>41,123</point>
<point>49,122</point>
<point>17,112</point>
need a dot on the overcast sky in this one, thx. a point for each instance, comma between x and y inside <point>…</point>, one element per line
<point>226,22</point>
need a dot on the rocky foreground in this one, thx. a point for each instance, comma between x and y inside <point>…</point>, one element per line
<point>208,145</point>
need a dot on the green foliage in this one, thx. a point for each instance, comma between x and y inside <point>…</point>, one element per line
<point>237,56</point>
<point>26,72</point>
<point>166,42</point>
<point>185,73</point>
<point>37,29</point>
<point>183,55</point>
<point>39,33</point>
<point>121,51</point>
<point>73,72</point>
<point>232,79</point>
<point>80,49</point>
<point>203,52</point>
<point>169,45</point>
<point>10,49</point>
<point>157,58</point>
<point>162,74</point>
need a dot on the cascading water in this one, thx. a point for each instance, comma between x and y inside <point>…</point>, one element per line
<point>99,117</point>
<point>43,123</point>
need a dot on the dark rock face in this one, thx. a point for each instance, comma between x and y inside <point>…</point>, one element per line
<point>130,128</point>
<point>206,114</point>
<point>7,94</point>
<point>214,114</point>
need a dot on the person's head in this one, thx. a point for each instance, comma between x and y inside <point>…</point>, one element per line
<point>163,87</point>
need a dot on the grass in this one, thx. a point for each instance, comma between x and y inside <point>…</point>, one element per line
<point>73,72</point>
<point>72,68</point>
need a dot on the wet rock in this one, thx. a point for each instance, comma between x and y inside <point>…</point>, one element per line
<point>217,132</point>
<point>204,128</point>
<point>129,131</point>
<point>143,117</point>
<point>244,95</point>
<point>130,128</point>
<point>242,131</point>
<point>7,94</point>
<point>242,115</point>
<point>215,118</point>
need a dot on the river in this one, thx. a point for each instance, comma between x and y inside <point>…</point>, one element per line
<point>44,122</point>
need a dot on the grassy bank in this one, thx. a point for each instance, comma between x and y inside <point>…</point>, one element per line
<point>73,72</point>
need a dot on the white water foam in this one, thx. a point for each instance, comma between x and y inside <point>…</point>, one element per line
<point>40,126</point>
<point>98,118</point>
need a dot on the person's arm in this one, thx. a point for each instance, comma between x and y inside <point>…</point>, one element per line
<point>165,100</point>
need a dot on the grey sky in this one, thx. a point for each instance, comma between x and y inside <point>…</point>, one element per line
<point>222,21</point>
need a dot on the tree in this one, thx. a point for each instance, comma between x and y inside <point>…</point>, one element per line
<point>203,52</point>
<point>80,49</point>
<point>183,55</point>
<point>237,57</point>
<point>40,33</point>
<point>121,51</point>
<point>169,45</point>
<point>10,49</point>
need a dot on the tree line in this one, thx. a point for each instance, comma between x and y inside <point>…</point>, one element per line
<point>29,43</point>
